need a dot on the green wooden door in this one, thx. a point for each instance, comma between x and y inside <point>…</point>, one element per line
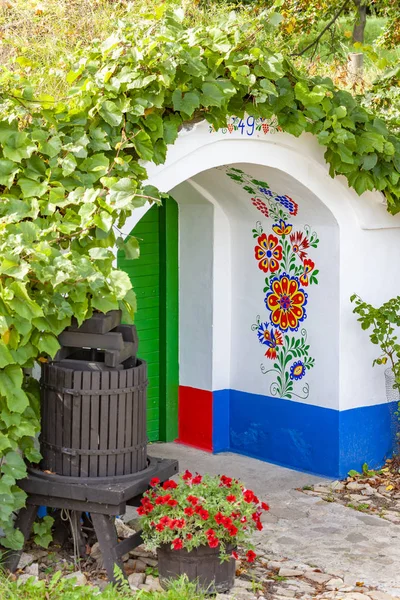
<point>155,281</point>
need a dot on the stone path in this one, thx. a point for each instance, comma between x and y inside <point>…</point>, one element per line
<point>306,529</point>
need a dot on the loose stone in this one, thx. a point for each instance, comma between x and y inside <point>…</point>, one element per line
<point>78,576</point>
<point>286,572</point>
<point>317,577</point>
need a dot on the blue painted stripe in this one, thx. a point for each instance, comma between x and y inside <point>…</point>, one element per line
<point>302,436</point>
<point>221,420</point>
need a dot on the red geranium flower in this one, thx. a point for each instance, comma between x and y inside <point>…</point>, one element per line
<point>264,506</point>
<point>189,511</point>
<point>227,522</point>
<point>180,523</point>
<point>227,481</point>
<point>235,555</point>
<point>154,481</point>
<point>231,498</point>
<point>169,485</point>
<point>196,480</point>
<point>160,527</point>
<point>177,544</point>
<point>232,530</point>
<point>213,542</point>
<point>165,520</point>
<point>172,524</point>
<point>210,533</point>
<point>187,475</point>
<point>243,519</point>
<point>259,526</point>
<point>193,500</point>
<point>251,556</point>
<point>219,518</point>
<point>248,496</point>
<point>189,536</point>
<point>172,502</point>
<point>204,514</point>
<point>140,511</point>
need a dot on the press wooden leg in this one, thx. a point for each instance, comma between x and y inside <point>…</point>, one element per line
<point>107,537</point>
<point>24,522</point>
<point>77,534</point>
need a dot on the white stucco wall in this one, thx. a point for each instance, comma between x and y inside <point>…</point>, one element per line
<point>359,259</point>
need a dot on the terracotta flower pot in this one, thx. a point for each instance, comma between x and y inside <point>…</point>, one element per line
<point>201,565</point>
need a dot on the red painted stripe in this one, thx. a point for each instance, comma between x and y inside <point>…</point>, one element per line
<point>195,417</point>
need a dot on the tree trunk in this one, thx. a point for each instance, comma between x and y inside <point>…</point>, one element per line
<point>361,20</point>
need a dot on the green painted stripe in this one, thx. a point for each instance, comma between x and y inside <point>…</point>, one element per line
<point>169,311</point>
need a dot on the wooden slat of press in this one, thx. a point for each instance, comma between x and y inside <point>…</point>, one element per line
<point>85,423</point>
<point>143,421</point>
<point>59,376</point>
<point>44,394</point>
<point>128,423</point>
<point>104,412</point>
<point>94,425</point>
<point>76,424</point>
<point>121,423</point>
<point>67,425</point>
<point>112,431</point>
<point>135,419</point>
<point>50,462</point>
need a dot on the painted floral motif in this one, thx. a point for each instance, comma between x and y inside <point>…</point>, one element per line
<point>282,254</point>
<point>297,370</point>
<point>268,252</point>
<point>299,244</point>
<point>270,338</point>
<point>286,301</point>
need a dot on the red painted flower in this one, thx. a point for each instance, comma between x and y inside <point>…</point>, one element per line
<point>271,338</point>
<point>231,498</point>
<point>308,267</point>
<point>187,475</point>
<point>251,556</point>
<point>169,485</point>
<point>196,480</point>
<point>268,253</point>
<point>286,300</point>
<point>299,244</point>
<point>177,544</point>
<point>189,511</point>
<point>155,481</point>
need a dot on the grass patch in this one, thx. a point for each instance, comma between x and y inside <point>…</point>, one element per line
<point>59,588</point>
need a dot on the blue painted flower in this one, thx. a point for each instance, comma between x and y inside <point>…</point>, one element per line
<point>297,370</point>
<point>270,338</point>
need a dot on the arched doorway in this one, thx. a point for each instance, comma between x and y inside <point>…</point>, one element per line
<point>234,393</point>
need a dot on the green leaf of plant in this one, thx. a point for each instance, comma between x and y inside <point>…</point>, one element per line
<point>143,145</point>
<point>186,103</point>
<point>111,113</point>
<point>131,247</point>
<point>31,188</point>
<point>8,170</point>
<point>14,465</point>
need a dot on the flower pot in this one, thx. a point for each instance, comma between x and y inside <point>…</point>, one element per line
<point>202,565</point>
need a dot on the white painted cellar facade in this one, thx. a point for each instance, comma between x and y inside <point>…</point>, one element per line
<point>272,361</point>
